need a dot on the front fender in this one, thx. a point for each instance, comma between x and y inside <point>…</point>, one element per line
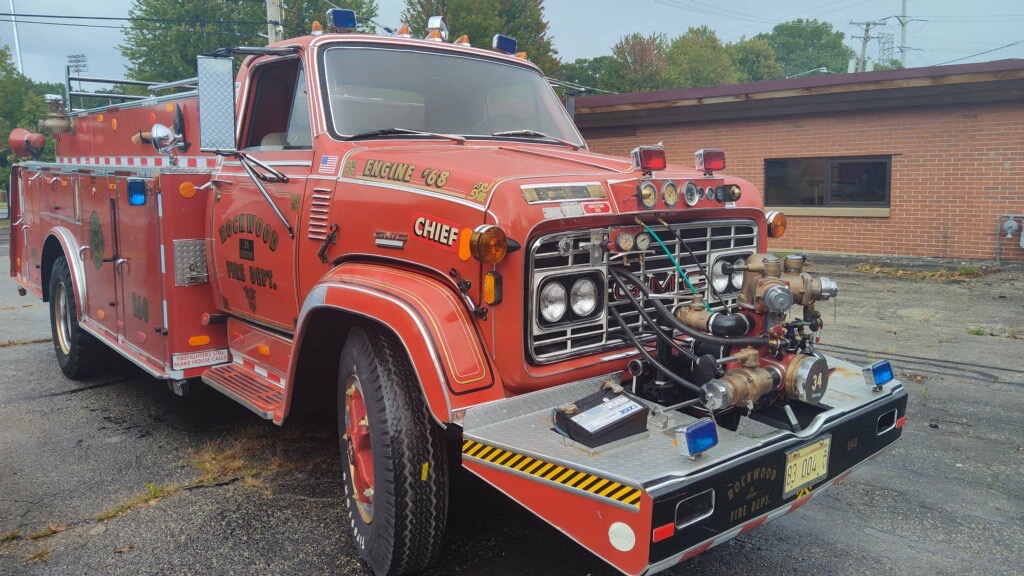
<point>427,317</point>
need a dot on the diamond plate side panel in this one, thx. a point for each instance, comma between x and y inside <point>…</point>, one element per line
<point>504,410</point>
<point>190,265</point>
<point>216,103</point>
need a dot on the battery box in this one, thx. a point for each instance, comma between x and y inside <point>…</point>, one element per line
<point>601,418</point>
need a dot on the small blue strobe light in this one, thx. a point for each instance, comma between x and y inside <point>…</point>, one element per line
<point>504,44</point>
<point>696,438</point>
<point>341,19</point>
<point>878,374</point>
<point>136,192</point>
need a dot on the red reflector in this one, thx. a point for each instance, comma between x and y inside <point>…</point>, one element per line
<point>710,159</point>
<point>901,422</point>
<point>649,158</point>
<point>663,532</point>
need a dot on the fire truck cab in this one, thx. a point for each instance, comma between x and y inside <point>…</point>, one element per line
<point>413,233</point>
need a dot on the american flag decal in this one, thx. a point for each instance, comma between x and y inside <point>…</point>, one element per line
<point>328,164</point>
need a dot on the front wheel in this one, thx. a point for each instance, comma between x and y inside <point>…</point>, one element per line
<point>76,350</point>
<point>393,458</point>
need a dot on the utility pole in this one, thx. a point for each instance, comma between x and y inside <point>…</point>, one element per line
<point>902,36</point>
<point>17,45</point>
<point>77,64</point>
<point>864,41</point>
<point>274,21</point>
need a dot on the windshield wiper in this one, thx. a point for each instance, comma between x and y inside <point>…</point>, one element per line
<point>535,134</point>
<point>394,131</point>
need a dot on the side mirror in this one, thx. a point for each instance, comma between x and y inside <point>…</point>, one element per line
<point>216,104</point>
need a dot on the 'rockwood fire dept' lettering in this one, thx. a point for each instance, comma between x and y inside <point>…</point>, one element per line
<point>249,224</point>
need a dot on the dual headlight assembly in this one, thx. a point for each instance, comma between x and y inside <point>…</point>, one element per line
<point>569,298</point>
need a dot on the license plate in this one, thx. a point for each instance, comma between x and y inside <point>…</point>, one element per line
<point>806,465</point>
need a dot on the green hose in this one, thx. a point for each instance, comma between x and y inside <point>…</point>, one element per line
<point>675,263</point>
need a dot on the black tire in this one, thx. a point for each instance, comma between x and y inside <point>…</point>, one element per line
<point>76,349</point>
<point>409,502</point>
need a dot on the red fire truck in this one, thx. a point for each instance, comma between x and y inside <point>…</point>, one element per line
<point>412,232</point>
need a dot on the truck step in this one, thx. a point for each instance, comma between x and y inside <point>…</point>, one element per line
<point>247,387</point>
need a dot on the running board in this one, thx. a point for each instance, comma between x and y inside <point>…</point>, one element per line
<point>248,388</point>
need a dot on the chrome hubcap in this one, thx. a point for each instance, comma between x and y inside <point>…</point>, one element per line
<point>62,319</point>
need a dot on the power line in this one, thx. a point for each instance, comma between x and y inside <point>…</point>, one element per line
<point>982,53</point>
<point>131,19</point>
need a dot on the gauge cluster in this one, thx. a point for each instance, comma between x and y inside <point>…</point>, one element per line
<point>648,196</point>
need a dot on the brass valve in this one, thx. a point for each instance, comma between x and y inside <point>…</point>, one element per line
<point>767,279</point>
<point>738,387</point>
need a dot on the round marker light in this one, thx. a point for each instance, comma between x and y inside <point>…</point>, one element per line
<point>647,195</point>
<point>488,244</point>
<point>670,194</point>
<point>583,297</point>
<point>552,302</point>
<point>776,224</point>
<point>691,194</point>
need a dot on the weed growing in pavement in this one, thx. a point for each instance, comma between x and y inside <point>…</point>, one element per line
<point>153,493</point>
<point>41,555</point>
<point>962,273</point>
<point>50,530</point>
<point>10,536</point>
<point>976,332</point>
<point>967,271</point>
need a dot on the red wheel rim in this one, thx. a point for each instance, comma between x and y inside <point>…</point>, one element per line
<point>360,450</point>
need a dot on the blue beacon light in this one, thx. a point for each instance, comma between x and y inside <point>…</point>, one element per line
<point>878,374</point>
<point>504,44</point>
<point>697,438</point>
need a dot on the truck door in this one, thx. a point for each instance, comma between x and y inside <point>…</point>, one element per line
<point>99,250</point>
<point>137,268</point>
<point>254,253</point>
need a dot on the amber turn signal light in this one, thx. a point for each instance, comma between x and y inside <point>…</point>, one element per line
<point>489,244</point>
<point>776,224</point>
<point>492,288</point>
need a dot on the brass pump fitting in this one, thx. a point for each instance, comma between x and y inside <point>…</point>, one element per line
<point>807,378</point>
<point>694,315</point>
<point>767,279</point>
<point>747,357</point>
<point>739,386</point>
<point>56,125</point>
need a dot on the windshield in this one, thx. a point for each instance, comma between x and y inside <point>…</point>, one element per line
<point>372,88</point>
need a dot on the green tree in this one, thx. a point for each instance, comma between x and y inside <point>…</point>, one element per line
<point>802,45</point>
<point>589,72</point>
<point>162,45</point>
<point>698,58</point>
<point>21,106</point>
<point>640,63</point>
<point>482,19</point>
<point>754,60</point>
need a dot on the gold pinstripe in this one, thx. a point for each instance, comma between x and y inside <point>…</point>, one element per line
<point>582,481</point>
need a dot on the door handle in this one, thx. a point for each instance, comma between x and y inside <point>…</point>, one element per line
<point>81,252</point>
<point>120,264</point>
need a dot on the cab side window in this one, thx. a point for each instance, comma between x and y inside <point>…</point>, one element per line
<point>279,119</point>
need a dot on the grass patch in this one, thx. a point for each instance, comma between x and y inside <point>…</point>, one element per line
<point>977,332</point>
<point>962,273</point>
<point>10,536</point>
<point>153,493</point>
<point>41,555</point>
<point>50,530</point>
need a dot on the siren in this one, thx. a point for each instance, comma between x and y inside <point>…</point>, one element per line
<point>25,143</point>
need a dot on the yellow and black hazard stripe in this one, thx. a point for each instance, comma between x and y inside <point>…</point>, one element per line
<point>563,475</point>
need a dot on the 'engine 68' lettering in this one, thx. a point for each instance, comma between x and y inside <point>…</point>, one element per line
<point>249,224</point>
<point>256,275</point>
<point>394,171</point>
<point>428,229</point>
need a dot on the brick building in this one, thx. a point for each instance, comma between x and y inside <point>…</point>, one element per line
<point>916,162</point>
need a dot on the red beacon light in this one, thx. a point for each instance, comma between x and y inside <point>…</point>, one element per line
<point>709,160</point>
<point>649,158</point>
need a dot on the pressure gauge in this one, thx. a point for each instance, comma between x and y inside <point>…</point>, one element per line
<point>691,194</point>
<point>670,194</point>
<point>642,241</point>
<point>720,194</point>
<point>624,241</point>
<point>710,193</point>
<point>647,195</point>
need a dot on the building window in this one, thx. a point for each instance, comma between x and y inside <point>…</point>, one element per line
<point>836,182</point>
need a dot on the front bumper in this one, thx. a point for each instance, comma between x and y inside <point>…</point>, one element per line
<point>613,499</point>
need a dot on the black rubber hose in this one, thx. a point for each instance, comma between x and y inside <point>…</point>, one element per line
<point>657,329</point>
<point>658,365</point>
<point>728,324</point>
<point>695,334</point>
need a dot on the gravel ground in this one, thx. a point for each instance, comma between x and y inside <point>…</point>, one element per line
<point>947,499</point>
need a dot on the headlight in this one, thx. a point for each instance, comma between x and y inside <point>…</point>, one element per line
<point>737,277</point>
<point>552,302</point>
<point>583,297</point>
<point>719,280</point>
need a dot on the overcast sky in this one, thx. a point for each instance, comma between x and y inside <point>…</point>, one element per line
<point>941,30</point>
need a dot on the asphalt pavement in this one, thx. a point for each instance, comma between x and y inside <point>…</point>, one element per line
<point>199,485</point>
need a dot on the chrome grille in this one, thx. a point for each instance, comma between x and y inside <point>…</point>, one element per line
<point>707,240</point>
